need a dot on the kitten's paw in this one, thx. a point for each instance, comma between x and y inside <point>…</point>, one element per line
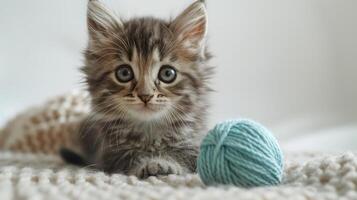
<point>157,167</point>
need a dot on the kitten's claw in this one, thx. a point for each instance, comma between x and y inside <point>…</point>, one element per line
<point>157,167</point>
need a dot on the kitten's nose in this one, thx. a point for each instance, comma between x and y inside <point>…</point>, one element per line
<point>145,97</point>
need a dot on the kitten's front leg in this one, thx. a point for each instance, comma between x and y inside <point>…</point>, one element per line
<point>157,166</point>
<point>142,165</point>
<point>177,160</point>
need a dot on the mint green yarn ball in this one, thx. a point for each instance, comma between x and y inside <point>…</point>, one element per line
<point>241,153</point>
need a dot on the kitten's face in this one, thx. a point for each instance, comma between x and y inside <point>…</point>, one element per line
<point>145,68</point>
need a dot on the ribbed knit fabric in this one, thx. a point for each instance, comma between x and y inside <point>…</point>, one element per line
<point>45,128</point>
<point>306,177</point>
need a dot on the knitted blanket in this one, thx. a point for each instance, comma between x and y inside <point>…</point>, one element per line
<point>36,172</point>
<point>307,176</point>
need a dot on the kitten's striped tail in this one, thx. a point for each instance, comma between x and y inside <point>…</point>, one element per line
<point>72,157</point>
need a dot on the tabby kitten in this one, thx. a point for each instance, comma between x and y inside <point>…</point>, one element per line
<point>148,79</point>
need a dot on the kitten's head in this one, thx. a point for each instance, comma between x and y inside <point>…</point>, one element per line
<point>146,68</point>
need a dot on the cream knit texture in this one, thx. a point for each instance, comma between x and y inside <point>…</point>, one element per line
<point>36,172</point>
<point>37,177</point>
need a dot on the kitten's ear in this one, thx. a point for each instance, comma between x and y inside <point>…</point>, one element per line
<point>101,20</point>
<point>191,24</point>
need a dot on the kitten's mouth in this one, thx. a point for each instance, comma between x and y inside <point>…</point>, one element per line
<point>147,107</point>
<point>147,112</point>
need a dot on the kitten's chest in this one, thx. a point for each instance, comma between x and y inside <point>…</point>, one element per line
<point>145,137</point>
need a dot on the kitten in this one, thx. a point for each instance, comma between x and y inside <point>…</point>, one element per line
<point>148,79</point>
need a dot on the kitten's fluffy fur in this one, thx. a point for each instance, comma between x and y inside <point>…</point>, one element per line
<point>125,134</point>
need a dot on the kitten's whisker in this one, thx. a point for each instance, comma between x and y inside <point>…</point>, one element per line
<point>180,115</point>
<point>107,109</point>
<point>89,166</point>
<point>120,112</point>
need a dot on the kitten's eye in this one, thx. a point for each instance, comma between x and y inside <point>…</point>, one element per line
<point>124,73</point>
<point>167,74</point>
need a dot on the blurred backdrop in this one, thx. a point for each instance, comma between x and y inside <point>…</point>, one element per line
<point>289,64</point>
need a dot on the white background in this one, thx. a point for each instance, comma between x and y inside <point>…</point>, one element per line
<point>289,64</point>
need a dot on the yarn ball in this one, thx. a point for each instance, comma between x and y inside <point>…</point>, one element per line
<point>241,153</point>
